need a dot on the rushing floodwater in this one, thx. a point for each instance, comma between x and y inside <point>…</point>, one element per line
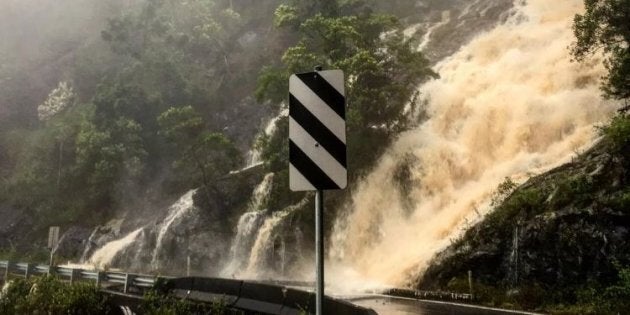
<point>508,104</point>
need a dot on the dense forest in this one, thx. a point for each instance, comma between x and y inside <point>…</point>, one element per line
<point>158,97</point>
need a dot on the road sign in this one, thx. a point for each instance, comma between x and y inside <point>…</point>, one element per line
<point>317,131</point>
<point>53,236</point>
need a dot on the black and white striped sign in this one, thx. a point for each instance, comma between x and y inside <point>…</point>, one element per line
<point>317,131</point>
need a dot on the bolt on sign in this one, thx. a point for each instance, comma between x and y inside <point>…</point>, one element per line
<point>53,236</point>
<point>317,131</point>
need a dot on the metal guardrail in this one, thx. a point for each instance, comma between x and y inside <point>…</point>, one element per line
<point>127,280</point>
<point>430,295</point>
<point>245,292</point>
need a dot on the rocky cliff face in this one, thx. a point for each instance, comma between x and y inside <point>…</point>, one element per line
<point>561,229</point>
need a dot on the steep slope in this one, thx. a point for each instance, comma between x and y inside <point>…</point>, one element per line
<point>558,232</point>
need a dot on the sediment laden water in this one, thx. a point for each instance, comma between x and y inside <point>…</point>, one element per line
<point>508,104</point>
<point>176,211</point>
<point>104,256</point>
<point>247,229</point>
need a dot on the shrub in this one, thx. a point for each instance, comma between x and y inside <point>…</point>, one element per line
<point>618,132</point>
<point>616,298</point>
<point>48,295</point>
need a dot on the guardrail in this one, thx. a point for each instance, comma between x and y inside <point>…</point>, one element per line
<point>127,280</point>
<point>430,295</point>
<point>275,297</point>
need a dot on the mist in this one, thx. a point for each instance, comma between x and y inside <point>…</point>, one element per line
<point>39,40</point>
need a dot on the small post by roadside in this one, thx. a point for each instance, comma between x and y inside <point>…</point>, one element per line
<point>6,271</point>
<point>188,266</point>
<point>470,284</point>
<point>53,241</point>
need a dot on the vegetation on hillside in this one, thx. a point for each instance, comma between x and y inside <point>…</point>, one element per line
<point>108,137</point>
<point>604,28</point>
<point>160,101</point>
<point>382,70</point>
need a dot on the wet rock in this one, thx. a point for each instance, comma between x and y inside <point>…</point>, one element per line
<point>72,242</point>
<point>575,234</point>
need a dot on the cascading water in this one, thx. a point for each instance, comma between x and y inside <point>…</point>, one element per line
<point>90,244</point>
<point>104,256</point>
<point>247,228</point>
<point>263,250</point>
<point>508,104</point>
<point>427,36</point>
<point>253,156</point>
<point>246,233</point>
<point>184,205</point>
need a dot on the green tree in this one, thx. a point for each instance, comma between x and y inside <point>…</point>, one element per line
<point>605,27</point>
<point>204,156</point>
<point>109,161</point>
<point>382,68</point>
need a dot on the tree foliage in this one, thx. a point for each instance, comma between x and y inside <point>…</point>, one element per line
<point>382,71</point>
<point>203,156</point>
<point>48,295</point>
<point>605,27</point>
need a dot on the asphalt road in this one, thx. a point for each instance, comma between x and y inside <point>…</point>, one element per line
<point>386,305</point>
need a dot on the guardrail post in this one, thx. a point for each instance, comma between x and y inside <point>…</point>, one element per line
<point>470,284</point>
<point>99,277</point>
<point>73,274</point>
<point>128,280</point>
<point>6,271</point>
<point>27,272</point>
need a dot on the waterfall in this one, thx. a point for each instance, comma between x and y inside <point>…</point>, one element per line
<point>261,193</point>
<point>176,211</point>
<point>508,104</point>
<point>253,156</point>
<point>247,228</point>
<point>514,259</point>
<point>446,17</point>
<point>263,250</point>
<point>104,256</point>
<point>136,248</point>
<point>90,243</point>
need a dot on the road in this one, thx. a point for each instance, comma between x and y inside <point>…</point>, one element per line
<point>388,305</point>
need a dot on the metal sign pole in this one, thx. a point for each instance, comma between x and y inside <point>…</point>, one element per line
<point>50,265</point>
<point>319,250</point>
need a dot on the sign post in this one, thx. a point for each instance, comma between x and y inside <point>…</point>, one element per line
<point>53,241</point>
<point>317,147</point>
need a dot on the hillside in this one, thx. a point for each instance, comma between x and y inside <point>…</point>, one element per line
<point>561,237</point>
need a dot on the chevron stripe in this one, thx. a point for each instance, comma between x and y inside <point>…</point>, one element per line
<point>298,181</point>
<point>326,162</point>
<point>317,130</point>
<point>308,169</point>
<point>325,91</point>
<point>318,108</point>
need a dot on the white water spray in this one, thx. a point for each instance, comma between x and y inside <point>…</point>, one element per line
<point>176,211</point>
<point>263,246</point>
<point>247,228</point>
<point>253,156</point>
<point>104,256</point>
<point>508,104</point>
